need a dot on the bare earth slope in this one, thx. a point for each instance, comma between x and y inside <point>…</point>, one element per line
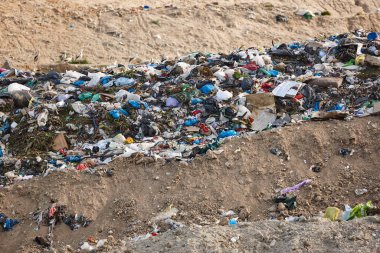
<point>115,30</point>
<point>245,176</point>
<point>270,236</point>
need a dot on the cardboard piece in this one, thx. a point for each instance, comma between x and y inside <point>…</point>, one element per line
<point>60,142</point>
<point>263,120</point>
<point>320,115</point>
<point>372,60</point>
<point>325,82</point>
<point>192,129</point>
<point>259,102</point>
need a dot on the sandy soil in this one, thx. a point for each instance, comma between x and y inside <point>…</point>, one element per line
<point>272,236</point>
<point>245,177</point>
<point>115,30</point>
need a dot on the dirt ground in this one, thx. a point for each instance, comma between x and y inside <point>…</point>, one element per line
<point>245,178</point>
<point>272,236</point>
<point>116,30</point>
<point>243,175</point>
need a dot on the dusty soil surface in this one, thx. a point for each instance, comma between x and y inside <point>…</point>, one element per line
<point>245,178</point>
<point>269,236</point>
<point>116,30</point>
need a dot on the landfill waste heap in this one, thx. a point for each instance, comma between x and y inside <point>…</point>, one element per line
<point>177,109</point>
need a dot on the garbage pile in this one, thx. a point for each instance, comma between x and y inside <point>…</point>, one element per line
<point>54,215</point>
<point>359,211</point>
<point>180,109</point>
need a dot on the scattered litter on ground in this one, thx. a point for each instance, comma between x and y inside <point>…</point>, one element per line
<point>178,109</point>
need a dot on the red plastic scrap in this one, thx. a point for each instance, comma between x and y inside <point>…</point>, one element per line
<point>251,66</point>
<point>82,166</point>
<point>196,112</point>
<point>266,86</point>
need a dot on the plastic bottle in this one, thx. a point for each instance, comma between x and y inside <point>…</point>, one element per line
<point>346,213</point>
<point>372,50</point>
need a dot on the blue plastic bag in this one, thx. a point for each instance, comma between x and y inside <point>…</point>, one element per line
<point>227,133</point>
<point>207,89</point>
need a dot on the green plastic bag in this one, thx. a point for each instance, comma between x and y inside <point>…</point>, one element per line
<point>360,210</point>
<point>96,97</point>
<point>85,95</point>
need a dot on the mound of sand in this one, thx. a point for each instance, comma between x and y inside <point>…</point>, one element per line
<point>115,30</point>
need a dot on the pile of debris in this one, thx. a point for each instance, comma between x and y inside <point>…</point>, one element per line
<point>179,109</point>
<point>54,215</point>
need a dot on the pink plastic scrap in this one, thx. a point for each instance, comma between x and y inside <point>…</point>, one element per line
<point>295,187</point>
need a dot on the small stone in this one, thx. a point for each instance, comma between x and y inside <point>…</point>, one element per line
<point>110,238</point>
<point>7,65</point>
<point>69,248</point>
<point>273,208</point>
<point>234,239</point>
<point>110,232</point>
<point>281,207</point>
<point>244,214</point>
<point>373,219</point>
<point>224,221</point>
<point>184,163</point>
<point>211,155</point>
<point>359,192</point>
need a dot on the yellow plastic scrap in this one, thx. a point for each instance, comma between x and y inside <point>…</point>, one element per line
<point>360,59</point>
<point>30,102</point>
<point>129,140</point>
<point>332,213</point>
